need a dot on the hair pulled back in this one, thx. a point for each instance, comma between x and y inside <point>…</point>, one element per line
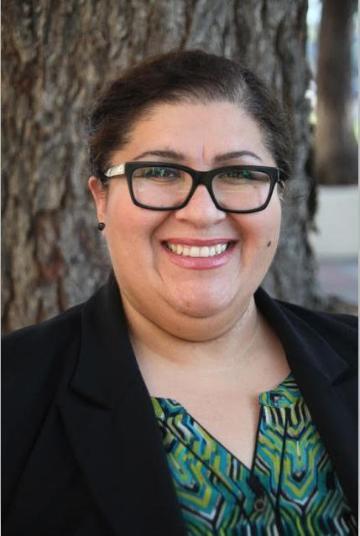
<point>191,75</point>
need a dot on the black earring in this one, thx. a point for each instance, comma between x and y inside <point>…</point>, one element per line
<point>101,226</point>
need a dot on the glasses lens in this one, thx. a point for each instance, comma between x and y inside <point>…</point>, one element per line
<point>160,186</point>
<point>241,189</point>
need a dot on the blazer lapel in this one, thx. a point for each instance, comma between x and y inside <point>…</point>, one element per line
<point>321,374</point>
<point>109,419</point>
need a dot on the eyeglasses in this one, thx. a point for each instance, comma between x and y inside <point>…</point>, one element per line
<point>164,186</point>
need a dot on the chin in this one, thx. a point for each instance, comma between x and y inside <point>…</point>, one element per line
<point>200,306</point>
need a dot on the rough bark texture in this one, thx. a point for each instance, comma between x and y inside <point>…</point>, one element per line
<point>336,152</point>
<point>56,55</point>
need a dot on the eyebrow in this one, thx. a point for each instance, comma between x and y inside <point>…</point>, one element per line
<point>175,155</point>
<point>235,154</point>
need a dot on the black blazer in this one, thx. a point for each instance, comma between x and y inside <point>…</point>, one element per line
<point>82,452</point>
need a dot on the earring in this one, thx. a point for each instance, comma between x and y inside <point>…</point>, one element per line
<point>101,226</point>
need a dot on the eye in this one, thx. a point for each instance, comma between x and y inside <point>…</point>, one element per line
<point>157,172</point>
<point>235,175</point>
<point>242,176</point>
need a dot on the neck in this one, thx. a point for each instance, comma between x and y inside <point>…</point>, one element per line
<point>230,348</point>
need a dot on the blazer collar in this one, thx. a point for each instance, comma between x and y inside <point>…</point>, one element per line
<point>107,365</point>
<point>305,348</point>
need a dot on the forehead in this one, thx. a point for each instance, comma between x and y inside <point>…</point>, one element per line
<point>199,130</point>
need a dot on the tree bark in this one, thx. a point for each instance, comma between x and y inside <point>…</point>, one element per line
<point>56,56</point>
<point>336,159</point>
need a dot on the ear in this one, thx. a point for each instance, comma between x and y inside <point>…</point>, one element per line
<point>99,193</point>
<point>281,190</point>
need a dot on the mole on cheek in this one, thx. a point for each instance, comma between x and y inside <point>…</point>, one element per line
<point>268,244</point>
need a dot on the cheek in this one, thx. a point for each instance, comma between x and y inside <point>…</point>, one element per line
<point>265,232</point>
<point>260,232</point>
<point>130,230</point>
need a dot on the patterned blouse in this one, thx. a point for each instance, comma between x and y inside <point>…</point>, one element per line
<point>291,488</point>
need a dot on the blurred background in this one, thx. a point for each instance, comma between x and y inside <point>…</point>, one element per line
<point>56,57</point>
<point>332,32</point>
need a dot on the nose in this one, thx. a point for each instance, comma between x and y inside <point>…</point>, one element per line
<point>200,210</point>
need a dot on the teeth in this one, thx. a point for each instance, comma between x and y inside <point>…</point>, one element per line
<point>195,251</point>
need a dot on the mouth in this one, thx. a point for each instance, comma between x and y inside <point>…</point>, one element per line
<point>211,249</point>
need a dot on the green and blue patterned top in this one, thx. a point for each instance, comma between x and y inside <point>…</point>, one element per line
<point>291,488</point>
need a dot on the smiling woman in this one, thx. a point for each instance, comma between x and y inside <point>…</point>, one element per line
<point>181,398</point>
<point>150,273</point>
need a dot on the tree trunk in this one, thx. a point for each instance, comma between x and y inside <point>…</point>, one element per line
<point>335,144</point>
<point>56,55</point>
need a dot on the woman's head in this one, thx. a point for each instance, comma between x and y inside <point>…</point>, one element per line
<point>193,76</point>
<point>192,270</point>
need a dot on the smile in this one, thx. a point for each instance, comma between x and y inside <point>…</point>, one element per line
<point>198,251</point>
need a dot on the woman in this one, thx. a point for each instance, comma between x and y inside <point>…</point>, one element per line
<point>181,398</point>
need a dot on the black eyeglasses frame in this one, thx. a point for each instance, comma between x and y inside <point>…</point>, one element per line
<point>275,174</point>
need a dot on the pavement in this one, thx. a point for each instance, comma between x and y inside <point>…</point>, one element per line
<point>336,241</point>
<point>339,276</point>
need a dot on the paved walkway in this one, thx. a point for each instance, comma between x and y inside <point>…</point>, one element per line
<point>339,276</point>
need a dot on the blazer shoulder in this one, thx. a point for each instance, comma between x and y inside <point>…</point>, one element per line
<point>34,359</point>
<point>341,321</point>
<point>41,342</point>
<point>339,330</point>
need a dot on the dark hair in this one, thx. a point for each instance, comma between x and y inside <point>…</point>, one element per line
<point>177,76</point>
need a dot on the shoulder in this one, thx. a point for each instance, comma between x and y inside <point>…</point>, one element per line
<point>35,345</point>
<point>34,359</point>
<point>341,323</point>
<point>346,322</point>
<point>313,330</point>
<point>339,330</point>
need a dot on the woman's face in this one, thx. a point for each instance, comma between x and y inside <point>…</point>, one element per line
<point>171,290</point>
